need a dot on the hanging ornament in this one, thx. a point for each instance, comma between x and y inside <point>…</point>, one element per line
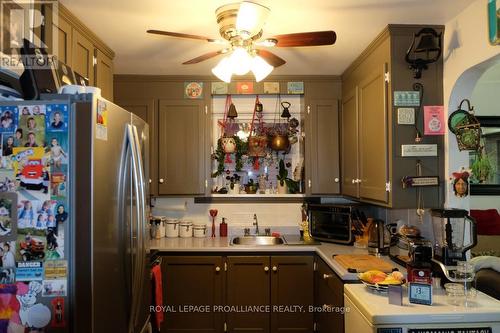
<point>461,183</point>
<point>466,127</point>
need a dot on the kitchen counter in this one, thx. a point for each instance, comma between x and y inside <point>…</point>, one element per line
<point>483,309</point>
<point>221,244</point>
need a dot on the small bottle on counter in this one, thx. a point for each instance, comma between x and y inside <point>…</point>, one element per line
<point>223,228</point>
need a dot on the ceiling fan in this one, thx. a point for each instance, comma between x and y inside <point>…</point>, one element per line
<point>240,26</point>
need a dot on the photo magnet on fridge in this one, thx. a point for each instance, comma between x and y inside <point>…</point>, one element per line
<point>54,288</point>
<point>8,215</point>
<point>57,312</point>
<point>8,263</point>
<point>57,118</point>
<point>31,110</point>
<point>8,118</point>
<point>33,131</point>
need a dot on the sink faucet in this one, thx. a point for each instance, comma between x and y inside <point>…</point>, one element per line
<point>256,224</point>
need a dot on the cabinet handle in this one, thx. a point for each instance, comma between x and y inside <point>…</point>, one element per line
<point>309,183</point>
<point>275,269</point>
<point>161,181</point>
<point>266,269</point>
<point>336,179</point>
<point>327,276</point>
<point>217,269</point>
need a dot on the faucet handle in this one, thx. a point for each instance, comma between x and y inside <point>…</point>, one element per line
<point>247,231</point>
<point>267,231</point>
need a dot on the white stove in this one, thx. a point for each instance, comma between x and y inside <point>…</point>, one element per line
<point>370,311</point>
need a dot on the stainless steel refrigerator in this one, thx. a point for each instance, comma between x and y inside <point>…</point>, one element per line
<point>93,275</point>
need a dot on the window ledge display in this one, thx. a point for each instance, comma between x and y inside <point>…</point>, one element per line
<point>257,147</point>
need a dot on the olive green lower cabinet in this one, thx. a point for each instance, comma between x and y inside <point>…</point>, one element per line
<point>250,293</point>
<point>329,299</point>
<point>192,281</point>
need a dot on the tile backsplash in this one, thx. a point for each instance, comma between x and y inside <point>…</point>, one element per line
<point>279,216</point>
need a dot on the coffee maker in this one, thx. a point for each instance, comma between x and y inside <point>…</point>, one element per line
<point>454,234</point>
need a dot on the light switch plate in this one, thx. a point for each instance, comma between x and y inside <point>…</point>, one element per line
<point>406,116</point>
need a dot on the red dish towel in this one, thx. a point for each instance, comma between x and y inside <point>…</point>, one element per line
<point>158,295</point>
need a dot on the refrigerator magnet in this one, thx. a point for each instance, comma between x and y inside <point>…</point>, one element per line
<point>32,314</point>
<point>57,312</point>
<point>8,118</point>
<point>57,117</point>
<point>54,288</point>
<point>101,132</point>
<point>8,214</point>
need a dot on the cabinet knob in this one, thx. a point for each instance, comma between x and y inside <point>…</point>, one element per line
<point>161,180</point>
<point>327,276</point>
<point>150,181</point>
<point>275,268</point>
<point>336,180</point>
<point>309,183</point>
<point>217,269</point>
<point>354,181</point>
<point>266,269</point>
<point>327,307</point>
<point>358,181</point>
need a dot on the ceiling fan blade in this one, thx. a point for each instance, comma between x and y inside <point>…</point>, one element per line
<point>271,58</point>
<point>315,38</point>
<point>203,57</point>
<point>181,35</point>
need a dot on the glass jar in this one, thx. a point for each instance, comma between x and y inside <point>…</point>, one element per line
<point>465,272</point>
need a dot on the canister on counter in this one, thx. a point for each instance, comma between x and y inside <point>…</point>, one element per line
<point>199,230</point>
<point>186,229</point>
<point>172,228</point>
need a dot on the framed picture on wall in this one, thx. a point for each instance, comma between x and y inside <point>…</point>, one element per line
<point>494,21</point>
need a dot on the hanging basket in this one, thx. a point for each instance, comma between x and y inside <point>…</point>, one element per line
<point>257,146</point>
<point>469,137</point>
<point>466,127</point>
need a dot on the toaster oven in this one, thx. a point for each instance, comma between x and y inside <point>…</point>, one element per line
<point>331,222</point>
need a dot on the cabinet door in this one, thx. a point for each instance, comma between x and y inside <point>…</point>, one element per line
<point>181,147</point>
<point>373,143</point>
<point>329,296</point>
<point>104,75</point>
<point>248,284</point>
<point>64,41</point>
<point>146,110</point>
<point>195,281</point>
<point>83,56</point>
<point>323,146</point>
<point>349,135</point>
<point>292,281</point>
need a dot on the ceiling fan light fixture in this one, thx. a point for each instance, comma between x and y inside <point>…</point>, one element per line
<point>260,68</point>
<point>241,61</point>
<point>223,70</point>
<point>251,18</point>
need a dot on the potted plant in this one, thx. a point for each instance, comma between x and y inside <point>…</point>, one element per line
<point>482,166</point>
<point>285,184</point>
<point>251,187</point>
<point>234,183</point>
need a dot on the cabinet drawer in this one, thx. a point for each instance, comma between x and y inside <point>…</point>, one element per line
<point>326,274</point>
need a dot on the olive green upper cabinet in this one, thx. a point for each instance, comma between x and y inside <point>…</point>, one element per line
<point>372,138</point>
<point>322,138</point>
<point>181,147</point>
<point>78,47</point>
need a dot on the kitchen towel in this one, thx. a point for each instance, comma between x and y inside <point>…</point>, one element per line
<point>158,292</point>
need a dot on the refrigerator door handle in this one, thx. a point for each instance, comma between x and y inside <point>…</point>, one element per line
<point>136,274</point>
<point>141,198</point>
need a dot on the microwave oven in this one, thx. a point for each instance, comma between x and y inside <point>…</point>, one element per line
<point>331,222</point>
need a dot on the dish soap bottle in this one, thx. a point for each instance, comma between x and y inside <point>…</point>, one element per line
<point>223,228</point>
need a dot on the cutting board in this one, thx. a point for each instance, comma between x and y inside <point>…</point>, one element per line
<point>358,263</point>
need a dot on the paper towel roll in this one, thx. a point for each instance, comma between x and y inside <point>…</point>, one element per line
<point>173,208</point>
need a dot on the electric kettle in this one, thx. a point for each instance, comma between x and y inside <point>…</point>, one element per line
<point>379,236</point>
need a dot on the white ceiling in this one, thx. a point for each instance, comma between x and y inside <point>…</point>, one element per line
<point>123,24</point>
